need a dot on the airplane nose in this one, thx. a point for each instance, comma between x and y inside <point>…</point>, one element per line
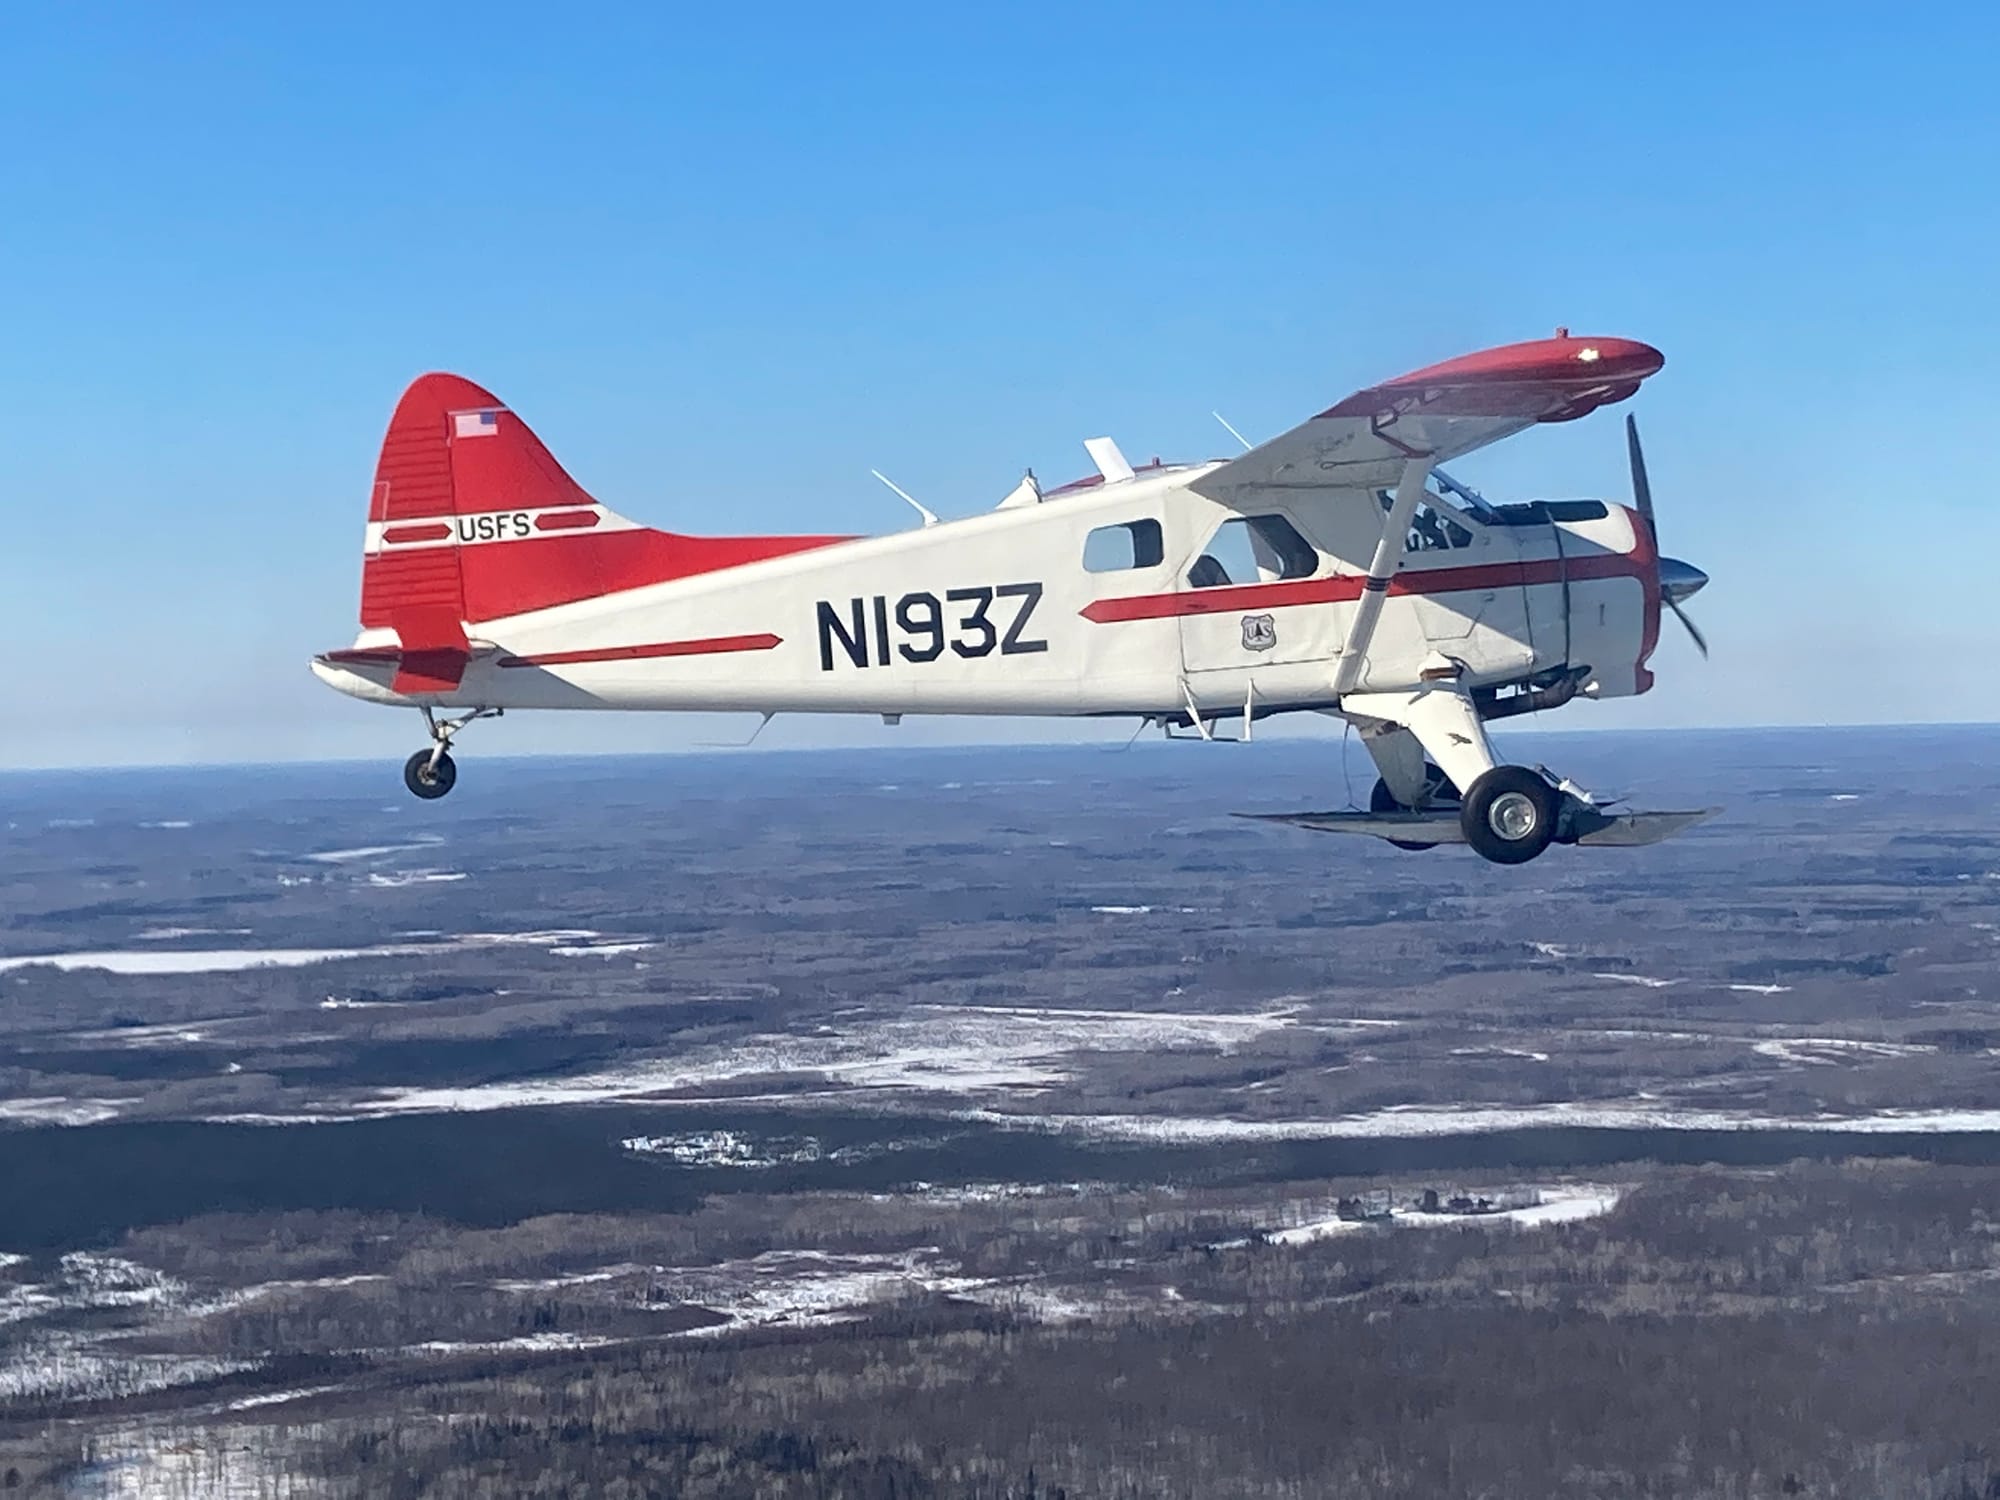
<point>1679,580</point>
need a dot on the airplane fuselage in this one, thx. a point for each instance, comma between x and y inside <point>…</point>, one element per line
<point>1098,600</point>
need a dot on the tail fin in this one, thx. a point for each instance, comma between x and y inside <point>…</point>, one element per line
<point>472,520</point>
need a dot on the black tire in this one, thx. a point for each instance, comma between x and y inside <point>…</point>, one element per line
<point>426,780</point>
<point>1510,815</point>
<point>1382,800</point>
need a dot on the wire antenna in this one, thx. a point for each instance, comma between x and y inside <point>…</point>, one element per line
<point>1231,430</point>
<point>930,517</point>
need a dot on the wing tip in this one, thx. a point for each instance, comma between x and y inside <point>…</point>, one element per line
<point>1553,365</point>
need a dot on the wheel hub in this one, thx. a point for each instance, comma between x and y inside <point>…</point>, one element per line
<point>1513,816</point>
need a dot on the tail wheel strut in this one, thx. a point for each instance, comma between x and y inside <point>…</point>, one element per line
<point>431,773</point>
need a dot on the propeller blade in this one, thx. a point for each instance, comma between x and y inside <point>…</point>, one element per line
<point>1689,579</point>
<point>1693,630</point>
<point>1642,488</point>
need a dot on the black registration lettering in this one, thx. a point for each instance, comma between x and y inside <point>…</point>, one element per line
<point>853,642</point>
<point>1030,594</point>
<point>921,617</point>
<point>860,633</point>
<point>985,636</point>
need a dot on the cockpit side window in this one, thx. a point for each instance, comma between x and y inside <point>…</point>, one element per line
<point>1128,544</point>
<point>1253,549</point>
<point>1431,528</point>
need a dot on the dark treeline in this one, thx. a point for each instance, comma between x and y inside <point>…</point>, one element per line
<point>1425,1401</point>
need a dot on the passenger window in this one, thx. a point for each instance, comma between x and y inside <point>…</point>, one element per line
<point>1430,529</point>
<point>1130,544</point>
<point>1253,549</point>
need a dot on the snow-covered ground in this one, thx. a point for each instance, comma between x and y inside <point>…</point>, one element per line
<point>66,1363</point>
<point>724,1148</point>
<point>371,851</point>
<point>797,1288</point>
<point>1476,1119</point>
<point>194,960</point>
<point>566,942</point>
<point>929,1049</point>
<point>1558,1203</point>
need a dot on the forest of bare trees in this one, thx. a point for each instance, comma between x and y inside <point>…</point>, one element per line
<point>1809,1330</point>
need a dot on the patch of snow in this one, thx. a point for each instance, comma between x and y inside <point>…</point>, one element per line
<point>1485,1119</point>
<point>575,1278</point>
<point>929,1049</point>
<point>566,941</point>
<point>148,1460</point>
<point>168,823</point>
<point>52,1367</point>
<point>370,851</point>
<point>724,1148</point>
<point>169,934</point>
<point>1556,950</point>
<point>279,1398</point>
<point>600,950</point>
<point>1832,1050</point>
<point>415,877</point>
<point>59,1111</point>
<point>533,939</point>
<point>1563,1204</point>
<point>194,960</point>
<point>798,1288</point>
<point>529,1341</point>
<point>1499,1051</point>
<point>1761,989</point>
<point>1644,980</point>
<point>146,1036</point>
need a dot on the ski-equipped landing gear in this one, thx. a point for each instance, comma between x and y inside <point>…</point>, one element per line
<point>1437,792</point>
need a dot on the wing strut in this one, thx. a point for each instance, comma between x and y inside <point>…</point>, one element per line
<point>1375,588</point>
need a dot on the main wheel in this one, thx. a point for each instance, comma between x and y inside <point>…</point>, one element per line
<point>1438,791</point>
<point>1510,815</point>
<point>430,781</point>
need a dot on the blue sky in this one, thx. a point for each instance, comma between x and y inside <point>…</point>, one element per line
<point>726,259</point>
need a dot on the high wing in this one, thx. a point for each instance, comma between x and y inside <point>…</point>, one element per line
<point>1438,414</point>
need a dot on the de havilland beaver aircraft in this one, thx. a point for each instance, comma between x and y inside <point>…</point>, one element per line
<point>1334,568</point>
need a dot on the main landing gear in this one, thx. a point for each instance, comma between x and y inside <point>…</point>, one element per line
<point>1510,815</point>
<point>431,773</point>
<point>1437,791</point>
<point>1431,743</point>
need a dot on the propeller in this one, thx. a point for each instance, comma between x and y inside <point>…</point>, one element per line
<point>1678,580</point>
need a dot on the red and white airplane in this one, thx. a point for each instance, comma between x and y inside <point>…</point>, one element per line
<point>1333,569</point>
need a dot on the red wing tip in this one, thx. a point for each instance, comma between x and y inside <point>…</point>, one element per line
<point>1557,363</point>
<point>1559,359</point>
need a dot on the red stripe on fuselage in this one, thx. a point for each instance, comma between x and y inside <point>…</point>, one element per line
<point>1345,588</point>
<point>710,646</point>
<point>566,520</point>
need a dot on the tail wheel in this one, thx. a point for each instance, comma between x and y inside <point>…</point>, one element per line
<point>427,780</point>
<point>1438,791</point>
<point>1510,815</point>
